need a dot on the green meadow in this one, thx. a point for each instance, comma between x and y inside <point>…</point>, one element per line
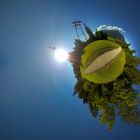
<point>110,71</point>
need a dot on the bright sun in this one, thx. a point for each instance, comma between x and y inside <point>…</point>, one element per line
<point>61,55</point>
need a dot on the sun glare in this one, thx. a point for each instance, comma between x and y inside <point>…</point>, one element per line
<point>61,55</point>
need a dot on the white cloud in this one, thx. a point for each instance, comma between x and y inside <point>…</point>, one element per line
<point>105,27</point>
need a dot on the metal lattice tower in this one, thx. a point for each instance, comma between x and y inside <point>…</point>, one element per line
<point>78,28</point>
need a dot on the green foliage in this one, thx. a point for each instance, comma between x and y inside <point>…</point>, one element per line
<point>100,35</point>
<point>90,34</point>
<point>116,99</point>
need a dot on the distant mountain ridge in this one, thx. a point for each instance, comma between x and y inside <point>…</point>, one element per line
<point>114,34</point>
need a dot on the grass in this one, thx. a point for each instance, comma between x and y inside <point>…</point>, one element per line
<point>109,72</point>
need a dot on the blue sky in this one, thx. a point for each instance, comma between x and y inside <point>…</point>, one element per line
<point>36,99</point>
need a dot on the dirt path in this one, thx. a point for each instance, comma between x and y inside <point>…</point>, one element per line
<point>102,60</point>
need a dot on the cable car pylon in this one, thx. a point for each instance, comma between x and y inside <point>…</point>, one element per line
<point>78,28</point>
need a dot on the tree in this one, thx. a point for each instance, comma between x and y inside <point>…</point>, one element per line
<point>90,34</point>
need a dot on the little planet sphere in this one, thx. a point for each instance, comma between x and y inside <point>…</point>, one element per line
<point>102,61</point>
